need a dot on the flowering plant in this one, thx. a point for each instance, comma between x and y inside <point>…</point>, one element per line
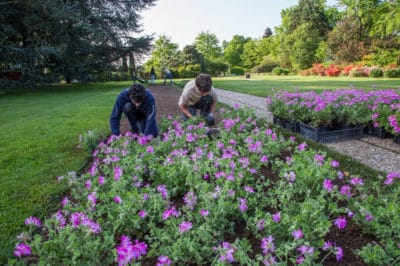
<point>247,196</point>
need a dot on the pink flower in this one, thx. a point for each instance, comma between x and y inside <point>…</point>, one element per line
<point>297,234</point>
<point>142,214</point>
<point>185,226</point>
<point>267,245</point>
<point>328,185</point>
<point>150,149</point>
<point>341,222</point>
<point>117,172</point>
<point>335,164</point>
<point>243,205</point>
<point>302,146</point>
<point>33,221</point>
<point>22,249</point>
<point>339,253</point>
<point>127,252</point>
<point>101,180</point>
<point>117,199</point>
<point>64,202</point>
<point>276,217</point>
<point>369,217</point>
<point>163,261</point>
<point>227,253</point>
<point>163,190</point>
<point>204,213</point>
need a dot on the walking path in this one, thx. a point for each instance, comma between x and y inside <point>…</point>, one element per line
<point>380,154</point>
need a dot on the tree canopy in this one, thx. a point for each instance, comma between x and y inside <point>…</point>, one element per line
<point>47,39</point>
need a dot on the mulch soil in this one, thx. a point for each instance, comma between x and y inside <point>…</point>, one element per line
<point>350,239</point>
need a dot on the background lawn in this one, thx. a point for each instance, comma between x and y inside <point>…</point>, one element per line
<point>263,85</point>
<point>39,133</point>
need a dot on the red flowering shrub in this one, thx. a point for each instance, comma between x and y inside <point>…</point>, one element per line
<point>333,71</point>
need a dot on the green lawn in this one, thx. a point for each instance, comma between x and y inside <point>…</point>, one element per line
<point>38,141</point>
<point>263,85</point>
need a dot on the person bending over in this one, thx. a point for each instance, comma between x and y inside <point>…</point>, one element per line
<point>199,94</point>
<point>138,105</point>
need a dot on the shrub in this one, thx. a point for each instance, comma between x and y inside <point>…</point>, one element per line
<point>280,71</point>
<point>88,141</point>
<point>358,72</point>
<point>267,65</point>
<point>318,69</point>
<point>392,73</point>
<point>189,71</point>
<point>237,70</point>
<point>376,73</point>
<point>333,71</point>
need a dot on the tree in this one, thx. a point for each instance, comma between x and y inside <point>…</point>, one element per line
<point>165,54</point>
<point>71,38</point>
<point>190,56</point>
<point>268,32</point>
<point>234,50</point>
<point>207,44</point>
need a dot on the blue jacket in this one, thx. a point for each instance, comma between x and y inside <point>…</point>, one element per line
<point>148,108</point>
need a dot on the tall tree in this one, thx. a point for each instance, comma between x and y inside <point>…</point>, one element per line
<point>164,54</point>
<point>208,45</point>
<point>71,38</point>
<point>234,50</point>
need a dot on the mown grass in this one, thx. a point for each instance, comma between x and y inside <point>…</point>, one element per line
<point>38,141</point>
<point>263,85</point>
<point>39,136</point>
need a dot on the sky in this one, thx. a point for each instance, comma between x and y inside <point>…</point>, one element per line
<point>183,20</point>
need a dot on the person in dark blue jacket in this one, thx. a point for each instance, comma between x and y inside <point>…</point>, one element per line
<point>138,105</point>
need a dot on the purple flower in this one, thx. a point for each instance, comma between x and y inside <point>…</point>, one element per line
<point>243,205</point>
<point>142,214</point>
<point>185,226</point>
<point>346,191</point>
<point>357,181</point>
<point>190,199</point>
<point>297,234</point>
<point>369,217</point>
<point>33,221</point>
<point>163,261</point>
<point>163,190</point>
<point>327,245</point>
<point>64,202</point>
<point>92,198</point>
<point>276,217</point>
<point>267,245</point>
<point>339,253</point>
<point>249,189</point>
<point>127,252</point>
<point>117,172</point>
<point>170,212</point>
<point>261,224</point>
<point>341,222</point>
<point>101,180</point>
<point>150,149</point>
<point>328,185</point>
<point>88,185</point>
<point>204,213</point>
<point>264,159</point>
<point>227,253</point>
<point>335,164</point>
<point>22,249</point>
<point>306,250</point>
<point>302,146</point>
<point>117,199</point>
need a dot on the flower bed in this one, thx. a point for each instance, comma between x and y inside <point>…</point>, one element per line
<point>247,196</point>
<point>380,108</point>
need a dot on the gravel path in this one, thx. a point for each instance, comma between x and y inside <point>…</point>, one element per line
<point>380,154</point>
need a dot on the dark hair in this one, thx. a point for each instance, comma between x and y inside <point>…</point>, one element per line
<point>203,82</point>
<point>137,93</point>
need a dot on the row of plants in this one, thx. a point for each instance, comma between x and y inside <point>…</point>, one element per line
<point>246,195</point>
<point>334,70</point>
<point>380,108</point>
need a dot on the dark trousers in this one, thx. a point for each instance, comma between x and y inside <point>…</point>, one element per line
<point>204,105</point>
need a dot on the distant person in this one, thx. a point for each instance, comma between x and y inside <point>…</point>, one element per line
<point>198,94</point>
<point>167,75</point>
<point>152,76</point>
<point>138,105</point>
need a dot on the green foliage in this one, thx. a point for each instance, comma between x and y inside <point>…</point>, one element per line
<point>234,50</point>
<point>278,71</point>
<point>237,70</point>
<point>267,65</point>
<point>90,139</point>
<point>376,73</point>
<point>48,39</point>
<point>215,67</point>
<point>189,71</point>
<point>392,73</point>
<point>207,44</point>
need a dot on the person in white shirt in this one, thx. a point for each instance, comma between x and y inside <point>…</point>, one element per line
<point>199,94</point>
